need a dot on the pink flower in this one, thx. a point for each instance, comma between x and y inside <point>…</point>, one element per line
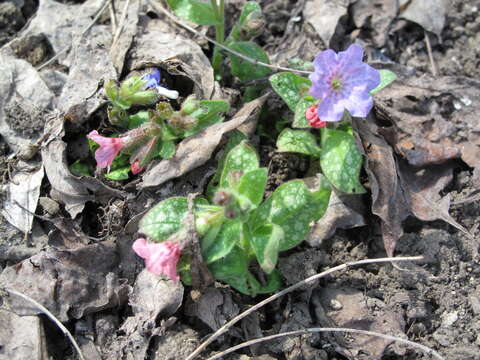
<point>136,168</point>
<point>160,258</point>
<point>109,148</point>
<point>313,119</point>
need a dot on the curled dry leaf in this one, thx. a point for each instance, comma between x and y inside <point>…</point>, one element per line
<point>429,14</point>
<point>324,16</point>
<point>73,191</point>
<point>197,149</point>
<point>69,283</point>
<point>348,308</point>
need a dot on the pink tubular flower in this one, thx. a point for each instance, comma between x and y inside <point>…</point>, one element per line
<point>136,168</point>
<point>160,258</point>
<point>343,82</point>
<point>109,148</point>
<point>313,119</point>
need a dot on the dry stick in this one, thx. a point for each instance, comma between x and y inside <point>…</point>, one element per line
<point>161,9</point>
<point>430,53</point>
<point>113,16</point>
<point>64,50</point>
<point>229,324</point>
<point>57,322</point>
<point>121,23</point>
<point>423,348</point>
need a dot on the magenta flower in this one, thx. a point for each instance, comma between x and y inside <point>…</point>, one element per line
<point>313,119</point>
<point>160,258</point>
<point>343,82</point>
<point>108,150</point>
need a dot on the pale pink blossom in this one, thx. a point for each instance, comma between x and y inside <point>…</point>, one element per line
<point>160,258</point>
<point>108,150</point>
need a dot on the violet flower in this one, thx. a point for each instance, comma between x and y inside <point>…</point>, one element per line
<point>160,258</point>
<point>153,81</point>
<point>108,150</point>
<point>343,82</point>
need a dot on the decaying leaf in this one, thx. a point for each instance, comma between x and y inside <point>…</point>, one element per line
<point>429,14</point>
<point>73,191</point>
<point>348,308</point>
<point>324,16</point>
<point>23,192</point>
<point>197,149</point>
<point>69,283</point>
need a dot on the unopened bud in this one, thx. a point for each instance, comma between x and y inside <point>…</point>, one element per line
<point>222,198</point>
<point>146,97</point>
<point>182,122</point>
<point>190,105</point>
<point>117,116</point>
<point>230,213</point>
<point>143,155</point>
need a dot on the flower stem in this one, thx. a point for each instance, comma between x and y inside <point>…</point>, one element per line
<point>219,34</point>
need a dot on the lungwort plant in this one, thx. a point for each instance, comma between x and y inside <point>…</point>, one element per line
<point>241,235</point>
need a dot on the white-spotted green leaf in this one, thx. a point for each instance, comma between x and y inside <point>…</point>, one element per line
<point>291,87</point>
<point>300,141</point>
<point>233,269</point>
<point>195,11</point>
<point>242,157</point>
<point>164,219</point>
<point>341,161</point>
<point>167,149</point>
<point>386,78</point>
<point>243,69</point>
<point>252,185</point>
<point>230,234</point>
<point>299,119</point>
<point>265,242</point>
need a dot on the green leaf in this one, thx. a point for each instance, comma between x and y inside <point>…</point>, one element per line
<point>230,234</point>
<point>233,269</point>
<point>80,168</point>
<point>341,161</point>
<point>293,207</point>
<point>138,119</point>
<point>242,157</point>
<point>265,242</point>
<point>195,11</point>
<point>291,87</point>
<point>235,138</point>
<point>208,114</point>
<point>248,8</point>
<point>252,185</point>
<point>245,70</point>
<point>300,141</point>
<point>386,78</point>
<point>167,149</point>
<point>119,174</point>
<point>299,119</point>
<point>164,219</point>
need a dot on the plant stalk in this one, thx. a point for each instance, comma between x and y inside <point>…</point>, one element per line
<point>219,35</point>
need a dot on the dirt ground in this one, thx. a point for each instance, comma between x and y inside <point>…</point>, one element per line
<point>435,302</point>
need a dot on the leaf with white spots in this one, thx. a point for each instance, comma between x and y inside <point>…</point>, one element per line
<point>386,78</point>
<point>300,141</point>
<point>291,87</point>
<point>233,269</point>
<point>164,219</point>
<point>252,185</point>
<point>230,234</point>
<point>341,161</point>
<point>265,242</point>
<point>195,11</point>
<point>299,119</point>
<point>242,158</point>
<point>245,70</point>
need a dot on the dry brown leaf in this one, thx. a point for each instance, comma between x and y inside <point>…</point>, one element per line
<point>197,149</point>
<point>69,283</point>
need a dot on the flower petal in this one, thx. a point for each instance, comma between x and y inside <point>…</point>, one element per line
<point>325,61</point>
<point>152,79</point>
<point>331,109</point>
<point>350,57</point>
<point>359,103</point>
<point>140,246</point>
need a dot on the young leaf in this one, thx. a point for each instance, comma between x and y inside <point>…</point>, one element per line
<point>208,114</point>
<point>80,168</point>
<point>138,119</point>
<point>245,70</point>
<point>118,174</point>
<point>229,235</point>
<point>195,11</point>
<point>248,8</point>
<point>252,185</point>
<point>291,87</point>
<point>300,141</point>
<point>299,119</point>
<point>164,219</point>
<point>265,242</point>
<point>242,157</point>
<point>341,160</point>
<point>233,269</point>
<point>167,149</point>
<point>386,78</point>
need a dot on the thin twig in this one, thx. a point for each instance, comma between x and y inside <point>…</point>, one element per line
<point>113,16</point>
<point>161,9</point>
<point>121,24</point>
<point>430,54</point>
<point>247,312</point>
<point>57,322</point>
<point>64,50</point>
<point>423,348</point>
